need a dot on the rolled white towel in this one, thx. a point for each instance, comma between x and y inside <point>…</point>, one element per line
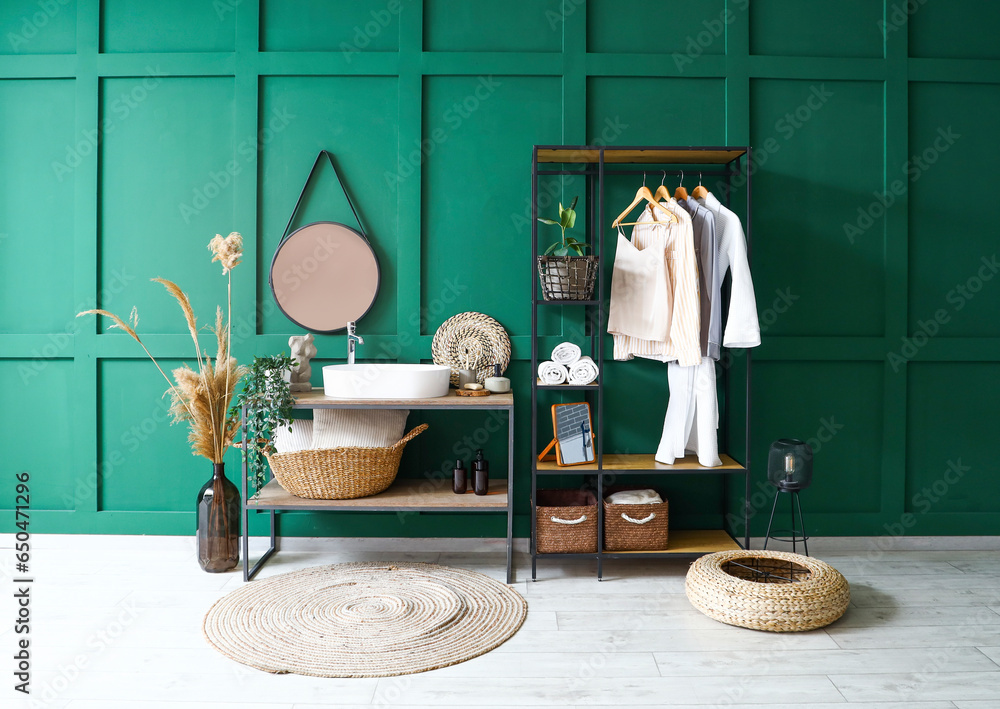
<point>552,373</point>
<point>583,371</point>
<point>566,353</point>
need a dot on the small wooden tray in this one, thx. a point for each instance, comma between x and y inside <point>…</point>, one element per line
<point>469,392</point>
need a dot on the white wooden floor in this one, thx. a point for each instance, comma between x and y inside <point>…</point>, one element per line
<point>116,624</point>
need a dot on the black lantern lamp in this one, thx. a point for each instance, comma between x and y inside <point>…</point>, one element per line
<point>789,469</point>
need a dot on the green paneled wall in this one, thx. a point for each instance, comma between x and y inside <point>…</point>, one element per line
<point>135,130</point>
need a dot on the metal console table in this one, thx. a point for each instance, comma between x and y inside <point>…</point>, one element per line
<point>404,495</point>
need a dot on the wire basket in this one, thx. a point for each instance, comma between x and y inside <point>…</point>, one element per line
<point>340,473</point>
<point>567,277</point>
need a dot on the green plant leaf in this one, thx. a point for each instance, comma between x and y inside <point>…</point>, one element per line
<point>547,221</point>
<point>561,251</point>
<point>570,221</point>
<point>573,205</point>
<point>552,248</point>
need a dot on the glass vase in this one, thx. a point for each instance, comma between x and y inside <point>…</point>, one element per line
<point>218,523</point>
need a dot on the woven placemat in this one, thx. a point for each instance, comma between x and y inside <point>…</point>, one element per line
<point>364,619</point>
<point>471,341</point>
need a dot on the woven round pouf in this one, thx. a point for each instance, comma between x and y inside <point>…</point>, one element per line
<point>364,619</point>
<point>767,590</point>
<point>471,341</point>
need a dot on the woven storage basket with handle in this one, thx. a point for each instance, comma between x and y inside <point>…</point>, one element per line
<point>635,527</point>
<point>566,522</point>
<point>340,473</point>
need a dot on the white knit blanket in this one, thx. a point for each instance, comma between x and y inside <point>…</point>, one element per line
<point>583,371</point>
<point>566,353</point>
<point>552,373</point>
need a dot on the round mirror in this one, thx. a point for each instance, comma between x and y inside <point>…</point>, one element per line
<point>324,276</point>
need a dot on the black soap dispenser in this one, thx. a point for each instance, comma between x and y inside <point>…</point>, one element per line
<point>480,474</point>
<point>459,478</point>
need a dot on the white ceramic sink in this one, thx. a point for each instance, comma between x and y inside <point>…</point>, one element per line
<point>385,381</point>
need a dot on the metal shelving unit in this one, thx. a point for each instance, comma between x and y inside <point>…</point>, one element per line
<point>404,495</point>
<point>592,163</point>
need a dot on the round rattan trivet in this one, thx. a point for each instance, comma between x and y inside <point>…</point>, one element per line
<point>364,619</point>
<point>767,590</point>
<point>471,341</point>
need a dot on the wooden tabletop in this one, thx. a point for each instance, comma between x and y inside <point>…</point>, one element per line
<point>317,399</point>
<point>417,495</point>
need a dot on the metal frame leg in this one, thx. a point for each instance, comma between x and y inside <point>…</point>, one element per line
<point>510,495</point>
<point>791,505</point>
<point>802,521</point>
<point>774,506</point>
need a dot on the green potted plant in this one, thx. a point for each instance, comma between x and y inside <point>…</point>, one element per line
<point>268,400</point>
<point>565,270</point>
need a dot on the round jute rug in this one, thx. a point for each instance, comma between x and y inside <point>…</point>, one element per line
<point>364,619</point>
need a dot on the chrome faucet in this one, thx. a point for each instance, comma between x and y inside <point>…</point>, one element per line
<point>353,340</point>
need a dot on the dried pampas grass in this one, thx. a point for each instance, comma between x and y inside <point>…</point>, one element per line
<point>201,397</point>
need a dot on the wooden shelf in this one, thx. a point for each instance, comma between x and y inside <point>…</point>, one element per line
<point>643,463</point>
<point>538,384</point>
<point>690,541</point>
<point>316,399</point>
<point>659,156</point>
<point>403,494</point>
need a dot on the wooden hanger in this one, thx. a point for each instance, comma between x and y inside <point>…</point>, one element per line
<point>662,192</point>
<point>641,194</point>
<point>699,192</point>
<point>680,192</point>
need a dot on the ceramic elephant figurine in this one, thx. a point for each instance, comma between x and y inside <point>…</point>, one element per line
<point>303,350</point>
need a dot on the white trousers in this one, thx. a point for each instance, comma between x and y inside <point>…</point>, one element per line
<point>692,420</point>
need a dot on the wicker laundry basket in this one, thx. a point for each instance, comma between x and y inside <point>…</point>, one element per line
<point>566,522</point>
<point>767,590</point>
<point>635,527</point>
<point>339,473</point>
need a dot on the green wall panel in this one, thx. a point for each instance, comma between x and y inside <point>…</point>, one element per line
<point>175,26</point>
<point>41,150</point>
<point>474,185</point>
<point>947,29</point>
<point>344,26</point>
<point>807,186</point>
<point>205,117</point>
<point>837,408</point>
<point>33,27</point>
<point>356,119</point>
<point>948,469</point>
<point>511,26</point>
<point>166,190</point>
<point>654,27</point>
<point>656,111</point>
<point>815,28</point>
<point>954,258</point>
<point>49,458</point>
